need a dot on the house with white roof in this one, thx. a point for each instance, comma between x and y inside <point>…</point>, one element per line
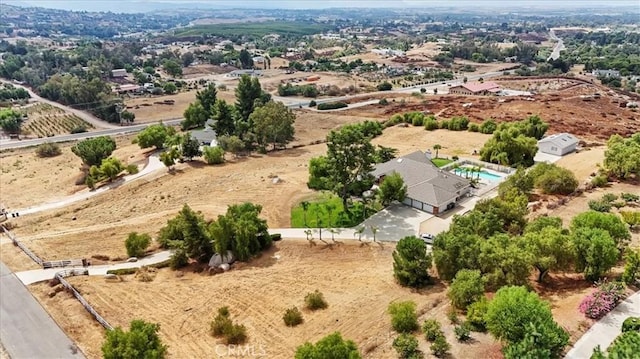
<point>559,144</point>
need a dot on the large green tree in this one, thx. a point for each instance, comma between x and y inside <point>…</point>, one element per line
<point>10,120</point>
<point>187,231</point>
<point>172,68</point>
<point>207,98</point>
<point>515,314</point>
<point>622,157</point>
<point>194,116</point>
<point>154,135</point>
<point>411,263</point>
<point>503,262</point>
<point>596,252</point>
<point>392,188</point>
<point>605,221</point>
<point>240,231</point>
<point>350,159</point>
<point>248,94</point>
<point>467,288</point>
<point>455,251</point>
<point>93,150</point>
<point>332,346</point>
<point>140,342</point>
<point>509,147</point>
<point>273,123</point>
<point>223,117</point>
<point>551,249</point>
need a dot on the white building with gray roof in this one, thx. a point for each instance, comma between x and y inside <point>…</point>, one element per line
<point>429,188</point>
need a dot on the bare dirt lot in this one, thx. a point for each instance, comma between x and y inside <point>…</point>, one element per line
<point>356,280</point>
<point>560,104</point>
<point>147,110</point>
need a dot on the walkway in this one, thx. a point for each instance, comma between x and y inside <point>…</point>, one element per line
<point>23,322</point>
<point>606,329</point>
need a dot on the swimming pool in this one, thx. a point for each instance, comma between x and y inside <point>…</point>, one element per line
<point>483,174</point>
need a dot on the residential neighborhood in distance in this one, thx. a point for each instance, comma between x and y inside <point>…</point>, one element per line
<point>280,179</point>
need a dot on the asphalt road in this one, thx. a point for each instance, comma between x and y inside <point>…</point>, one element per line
<point>24,322</point>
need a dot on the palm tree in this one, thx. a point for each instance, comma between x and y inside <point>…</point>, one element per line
<point>374,230</point>
<point>437,147</point>
<point>333,231</point>
<point>358,232</point>
<point>305,207</point>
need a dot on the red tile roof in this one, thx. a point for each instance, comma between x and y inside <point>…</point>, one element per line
<point>485,86</point>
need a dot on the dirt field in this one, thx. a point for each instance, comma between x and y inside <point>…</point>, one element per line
<point>559,104</point>
<point>146,110</point>
<point>356,280</point>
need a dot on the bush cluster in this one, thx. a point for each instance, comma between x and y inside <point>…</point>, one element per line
<point>292,317</point>
<point>331,106</point>
<point>385,86</point>
<point>476,315</point>
<point>462,332</point>
<point>631,324</point>
<point>407,346</point>
<point>315,300</point>
<point>48,149</point>
<point>432,329</point>
<point>223,326</point>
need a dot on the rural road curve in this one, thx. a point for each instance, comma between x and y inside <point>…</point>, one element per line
<point>606,329</point>
<point>93,120</point>
<point>26,329</point>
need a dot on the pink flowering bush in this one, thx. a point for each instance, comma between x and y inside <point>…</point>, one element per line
<point>602,301</point>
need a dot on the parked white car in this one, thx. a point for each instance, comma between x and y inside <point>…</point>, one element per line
<point>427,238</point>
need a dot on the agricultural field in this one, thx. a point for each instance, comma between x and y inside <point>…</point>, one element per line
<point>45,120</point>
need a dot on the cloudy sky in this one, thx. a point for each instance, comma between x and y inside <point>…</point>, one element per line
<point>123,5</point>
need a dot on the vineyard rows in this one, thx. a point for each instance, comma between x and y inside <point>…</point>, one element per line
<point>48,124</point>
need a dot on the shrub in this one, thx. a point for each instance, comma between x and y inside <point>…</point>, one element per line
<point>474,127</point>
<point>179,259</point>
<point>609,197</point>
<point>599,181</point>
<point>48,149</point>
<point>467,287</point>
<point>213,155</point>
<point>132,169</point>
<point>418,121</point>
<point>631,266</point>
<point>630,197</point>
<point>600,206</point>
<point>407,346</point>
<point>312,103</point>
<point>431,329</point>
<point>331,106</point>
<point>488,127</point>
<point>440,347</point>
<point>476,315</point>
<point>331,346</point>
<point>235,334</point>
<point>444,124</point>
<point>458,124</point>
<point>431,124</point>
<point>136,244</point>
<point>404,318</point>
<point>78,129</point>
<point>222,323</point>
<point>462,332</point>
<point>292,317</point>
<point>383,102</point>
<point>385,86</point>
<point>315,301</point>
<point>453,316</point>
<point>631,324</point>
<point>556,180</point>
<point>411,263</point>
<point>423,90</point>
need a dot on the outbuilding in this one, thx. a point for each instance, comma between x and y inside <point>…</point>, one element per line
<point>559,144</point>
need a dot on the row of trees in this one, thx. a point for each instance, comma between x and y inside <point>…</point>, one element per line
<point>240,231</point>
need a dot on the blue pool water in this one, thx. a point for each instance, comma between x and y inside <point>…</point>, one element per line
<point>483,174</point>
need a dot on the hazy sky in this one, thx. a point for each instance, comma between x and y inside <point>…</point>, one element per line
<point>121,5</point>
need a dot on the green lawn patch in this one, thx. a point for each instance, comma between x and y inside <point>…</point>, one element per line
<point>329,212</point>
<point>441,161</point>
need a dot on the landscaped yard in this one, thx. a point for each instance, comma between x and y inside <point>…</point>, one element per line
<point>441,161</point>
<point>327,211</point>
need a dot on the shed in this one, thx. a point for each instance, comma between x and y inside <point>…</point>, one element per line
<point>559,144</point>
<point>119,73</point>
<point>217,259</point>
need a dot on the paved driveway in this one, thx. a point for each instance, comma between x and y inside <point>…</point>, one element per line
<point>396,222</point>
<point>26,329</point>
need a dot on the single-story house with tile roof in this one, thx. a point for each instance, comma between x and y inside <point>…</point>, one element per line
<point>476,88</point>
<point>429,188</point>
<point>559,144</point>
